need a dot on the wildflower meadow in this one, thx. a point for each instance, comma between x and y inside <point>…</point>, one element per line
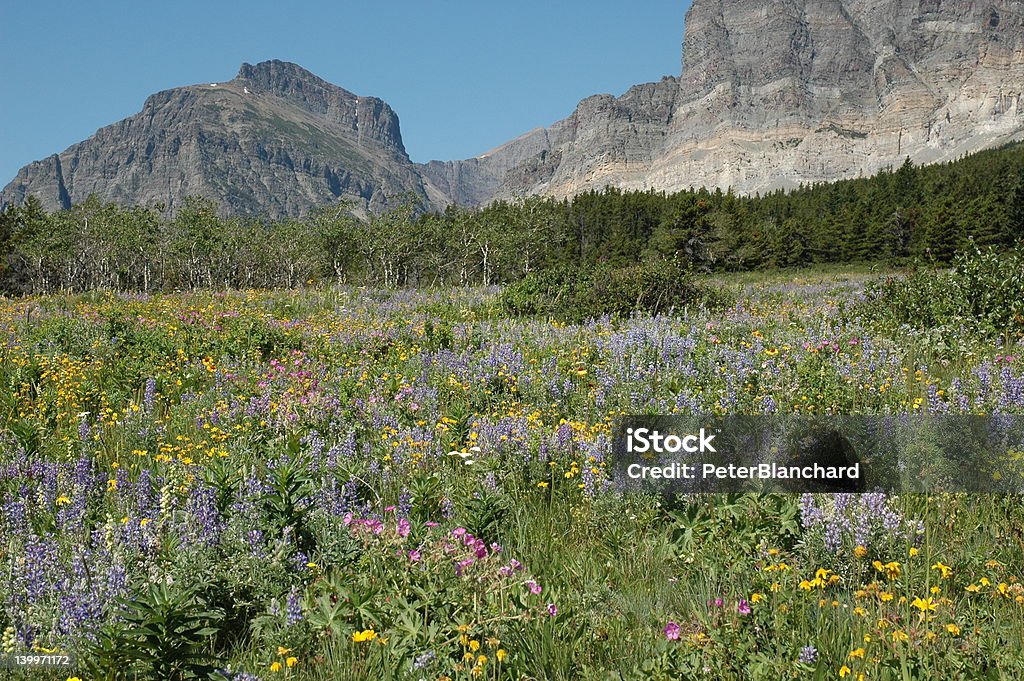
<point>353,483</point>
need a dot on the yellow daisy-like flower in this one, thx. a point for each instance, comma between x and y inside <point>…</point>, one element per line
<point>281,650</point>
<point>292,661</point>
<point>844,671</point>
<point>756,598</point>
<point>953,629</point>
<point>275,666</point>
<point>923,605</point>
<point>859,652</point>
<point>944,570</point>
<point>891,569</point>
<point>363,636</point>
<point>900,636</point>
<point>860,552</point>
<point>500,654</point>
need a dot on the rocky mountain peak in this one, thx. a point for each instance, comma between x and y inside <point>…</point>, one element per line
<point>771,94</point>
<point>369,119</point>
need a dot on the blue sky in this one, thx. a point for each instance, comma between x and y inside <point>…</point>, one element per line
<point>463,76</point>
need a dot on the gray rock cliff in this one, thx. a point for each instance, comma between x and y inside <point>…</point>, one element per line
<point>775,93</point>
<point>274,141</point>
<point>771,94</point>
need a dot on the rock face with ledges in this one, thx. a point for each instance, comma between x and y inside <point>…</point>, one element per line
<point>775,93</point>
<point>275,141</point>
<point>771,94</point>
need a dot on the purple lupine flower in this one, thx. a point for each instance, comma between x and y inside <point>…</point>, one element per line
<point>237,676</point>
<point>149,395</point>
<point>808,655</point>
<point>405,503</point>
<point>293,607</point>
<point>423,660</point>
<point>84,431</point>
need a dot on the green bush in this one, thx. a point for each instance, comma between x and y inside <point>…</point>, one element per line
<point>164,633</point>
<point>984,291</point>
<point>574,294</point>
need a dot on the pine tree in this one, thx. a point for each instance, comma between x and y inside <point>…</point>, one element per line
<point>1015,208</point>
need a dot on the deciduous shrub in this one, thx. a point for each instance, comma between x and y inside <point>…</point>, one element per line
<point>983,292</point>
<point>574,294</point>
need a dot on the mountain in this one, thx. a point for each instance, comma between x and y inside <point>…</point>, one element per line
<point>771,94</point>
<point>276,140</point>
<point>775,93</point>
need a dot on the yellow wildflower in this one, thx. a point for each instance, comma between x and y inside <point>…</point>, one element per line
<point>890,569</point>
<point>924,605</point>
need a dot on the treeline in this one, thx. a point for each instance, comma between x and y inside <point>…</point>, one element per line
<point>930,211</point>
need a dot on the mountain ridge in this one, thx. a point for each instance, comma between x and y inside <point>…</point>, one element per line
<point>771,94</point>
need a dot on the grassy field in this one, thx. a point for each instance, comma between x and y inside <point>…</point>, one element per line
<point>334,484</point>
